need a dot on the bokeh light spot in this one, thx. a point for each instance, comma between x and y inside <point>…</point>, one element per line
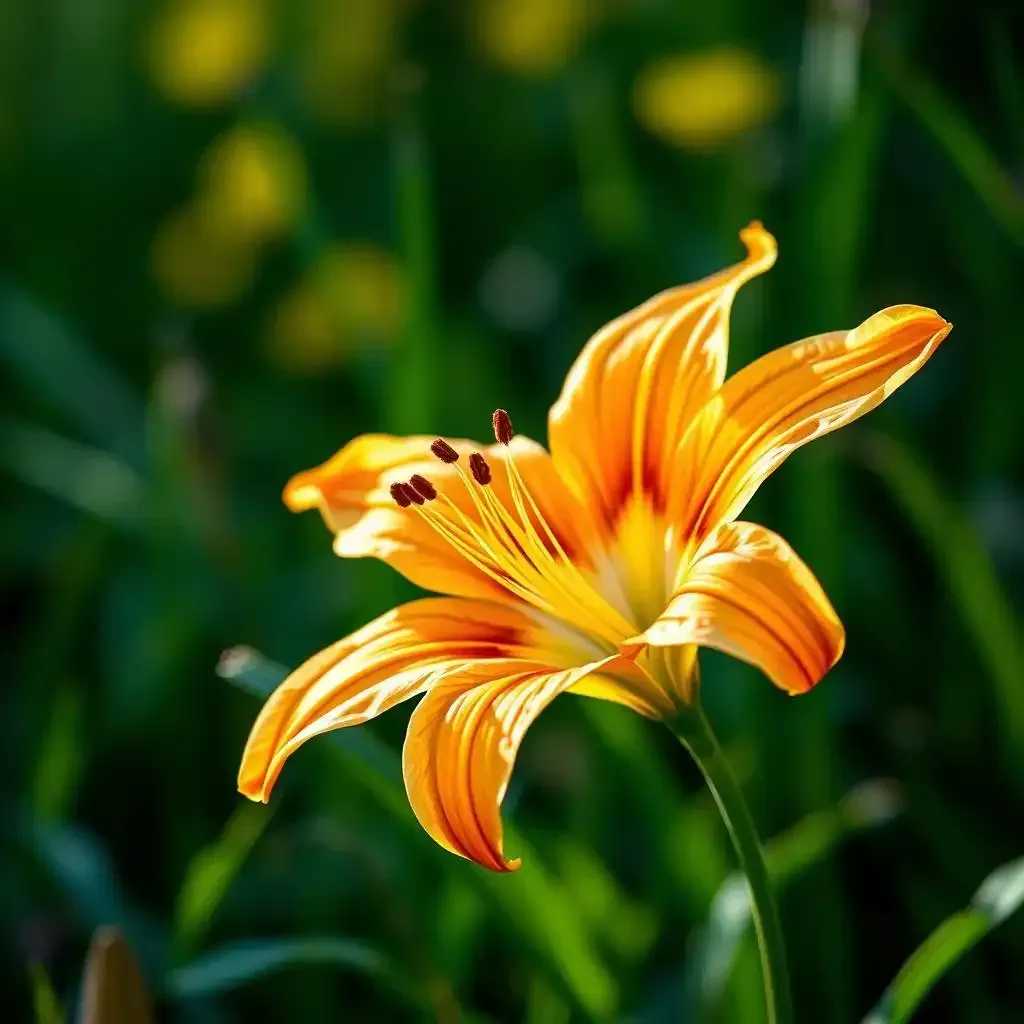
<point>350,50</point>
<point>204,52</point>
<point>352,298</point>
<point>705,100</point>
<point>253,179</point>
<point>531,37</point>
<point>196,265</point>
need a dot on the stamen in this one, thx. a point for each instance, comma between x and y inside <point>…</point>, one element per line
<point>412,494</point>
<point>423,486</point>
<point>444,451</point>
<point>480,469</point>
<point>513,545</point>
<point>502,423</point>
<point>555,554</point>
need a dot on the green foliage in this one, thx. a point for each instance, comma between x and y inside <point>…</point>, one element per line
<point>963,146</point>
<point>45,1003</point>
<point>999,896</point>
<point>234,235</point>
<point>715,946</point>
<point>59,763</point>
<point>971,580</point>
<point>211,872</point>
<point>229,967</point>
<point>530,901</point>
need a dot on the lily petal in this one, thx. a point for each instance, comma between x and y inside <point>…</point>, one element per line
<point>342,487</point>
<point>462,744</point>
<point>787,398</point>
<point>748,594</point>
<point>351,490</point>
<point>641,379</point>
<point>389,660</point>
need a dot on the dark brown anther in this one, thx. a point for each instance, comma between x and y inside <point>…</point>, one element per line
<point>422,486</point>
<point>502,423</point>
<point>480,469</point>
<point>444,451</point>
<point>398,493</point>
<point>412,494</point>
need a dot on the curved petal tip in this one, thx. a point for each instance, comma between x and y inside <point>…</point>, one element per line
<point>759,241</point>
<point>302,492</point>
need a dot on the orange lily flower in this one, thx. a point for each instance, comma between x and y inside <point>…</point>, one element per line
<point>598,568</point>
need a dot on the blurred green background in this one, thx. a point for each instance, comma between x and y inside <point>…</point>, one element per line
<point>236,233</point>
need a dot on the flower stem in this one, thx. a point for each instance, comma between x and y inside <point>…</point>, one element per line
<point>693,730</point>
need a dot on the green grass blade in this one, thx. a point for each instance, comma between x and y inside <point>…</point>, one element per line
<point>46,1006</point>
<point>544,1006</point>
<point>999,896</point>
<point>692,856</point>
<point>59,367</point>
<point>240,963</point>
<point>81,868</point>
<point>969,575</point>
<point>624,926</point>
<point>1007,80</point>
<point>788,856</point>
<point>414,383</point>
<point>533,904</point>
<point>212,870</point>
<point>59,763</point>
<point>953,131</point>
<point>544,916</point>
<point>611,195</point>
<point>84,478</point>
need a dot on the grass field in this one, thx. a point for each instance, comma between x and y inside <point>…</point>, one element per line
<point>235,234</point>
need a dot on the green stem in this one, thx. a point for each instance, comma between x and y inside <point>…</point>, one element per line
<point>693,730</point>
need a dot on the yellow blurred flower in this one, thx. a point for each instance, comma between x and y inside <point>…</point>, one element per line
<point>702,101</point>
<point>253,180</point>
<point>196,265</point>
<point>531,37</point>
<point>203,52</point>
<point>251,189</point>
<point>351,47</point>
<point>351,298</point>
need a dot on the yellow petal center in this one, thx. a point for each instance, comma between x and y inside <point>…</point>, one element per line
<point>518,549</point>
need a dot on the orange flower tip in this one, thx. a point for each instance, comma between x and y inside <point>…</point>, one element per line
<point>936,321</point>
<point>497,863</point>
<point>928,319</point>
<point>252,788</point>
<point>760,243</point>
<point>422,486</point>
<point>444,451</point>
<point>399,492</point>
<point>480,469</point>
<point>502,423</point>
